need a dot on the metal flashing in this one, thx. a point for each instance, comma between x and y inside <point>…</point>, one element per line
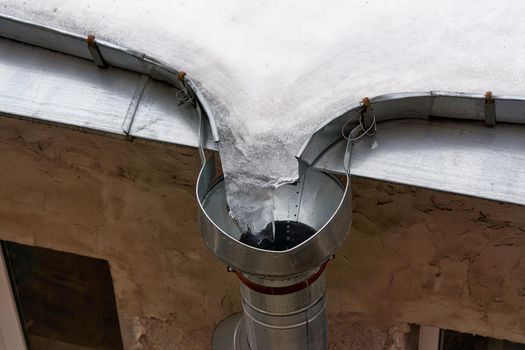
<point>64,88</point>
<point>99,51</point>
<point>54,88</point>
<point>444,105</point>
<point>133,106</point>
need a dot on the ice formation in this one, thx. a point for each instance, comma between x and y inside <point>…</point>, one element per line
<point>274,71</point>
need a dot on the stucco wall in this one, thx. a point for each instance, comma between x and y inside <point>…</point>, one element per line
<point>413,256</point>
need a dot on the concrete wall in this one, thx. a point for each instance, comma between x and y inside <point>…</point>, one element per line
<point>413,256</point>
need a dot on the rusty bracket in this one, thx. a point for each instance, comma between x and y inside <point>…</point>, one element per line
<point>95,52</point>
<point>184,95</point>
<point>490,109</point>
<point>366,113</point>
<point>365,102</point>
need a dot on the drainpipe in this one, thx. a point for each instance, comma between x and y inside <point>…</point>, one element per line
<point>283,291</point>
<point>293,320</point>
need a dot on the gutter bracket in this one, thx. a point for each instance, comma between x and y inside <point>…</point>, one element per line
<point>134,104</point>
<point>490,109</point>
<point>94,51</point>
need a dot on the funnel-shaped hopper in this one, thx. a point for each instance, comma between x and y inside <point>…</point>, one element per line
<point>283,291</point>
<point>317,200</point>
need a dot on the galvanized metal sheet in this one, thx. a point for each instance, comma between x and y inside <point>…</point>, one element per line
<point>510,109</point>
<point>40,35</point>
<point>159,117</point>
<point>453,156</point>
<point>54,87</point>
<point>447,155</point>
<point>76,45</point>
<point>385,107</point>
<point>457,105</point>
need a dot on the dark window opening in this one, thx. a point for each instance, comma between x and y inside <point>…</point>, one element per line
<point>65,301</point>
<point>451,340</point>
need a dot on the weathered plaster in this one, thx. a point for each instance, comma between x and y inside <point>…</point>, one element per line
<point>413,256</point>
<point>433,258</point>
<point>131,203</point>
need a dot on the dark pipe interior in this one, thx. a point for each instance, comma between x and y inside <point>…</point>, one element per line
<point>288,234</point>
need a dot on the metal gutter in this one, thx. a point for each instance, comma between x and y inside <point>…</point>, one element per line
<point>67,88</point>
<point>82,47</point>
<point>77,45</point>
<point>454,142</point>
<point>54,88</point>
<point>436,104</point>
<point>454,156</point>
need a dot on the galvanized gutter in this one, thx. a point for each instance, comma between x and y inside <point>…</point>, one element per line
<point>136,97</point>
<point>102,53</point>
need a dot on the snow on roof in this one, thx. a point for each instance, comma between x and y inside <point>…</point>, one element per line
<point>274,71</point>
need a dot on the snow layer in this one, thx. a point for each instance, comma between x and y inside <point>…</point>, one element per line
<point>274,71</point>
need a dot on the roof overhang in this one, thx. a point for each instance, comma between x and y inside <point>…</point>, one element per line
<point>436,140</point>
